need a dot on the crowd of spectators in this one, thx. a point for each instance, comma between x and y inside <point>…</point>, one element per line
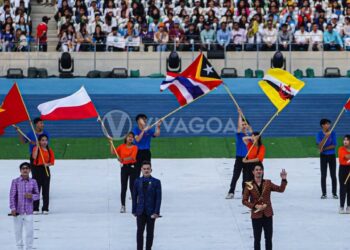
<point>232,25</point>
<point>15,25</point>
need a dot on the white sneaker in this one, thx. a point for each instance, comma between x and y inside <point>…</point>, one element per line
<point>122,209</point>
<point>35,212</point>
<point>45,212</point>
<point>230,196</point>
<point>347,210</point>
<point>341,210</point>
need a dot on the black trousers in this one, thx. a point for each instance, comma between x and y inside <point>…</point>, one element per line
<point>344,189</point>
<point>248,171</point>
<point>142,155</point>
<point>39,174</point>
<point>237,170</point>
<point>328,160</point>
<point>145,221</point>
<point>258,225</point>
<point>127,172</point>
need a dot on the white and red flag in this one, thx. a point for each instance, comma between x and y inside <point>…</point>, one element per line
<point>77,106</point>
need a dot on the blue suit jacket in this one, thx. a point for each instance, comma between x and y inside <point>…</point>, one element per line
<point>153,193</point>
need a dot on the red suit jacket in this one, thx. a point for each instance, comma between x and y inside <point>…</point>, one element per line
<point>253,196</point>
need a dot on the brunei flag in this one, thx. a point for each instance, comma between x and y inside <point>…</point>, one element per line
<point>198,79</point>
<point>12,109</point>
<point>280,87</point>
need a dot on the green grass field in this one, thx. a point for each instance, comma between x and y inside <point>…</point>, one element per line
<point>191,147</point>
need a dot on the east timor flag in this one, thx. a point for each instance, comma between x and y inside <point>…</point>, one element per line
<point>12,110</point>
<point>280,87</point>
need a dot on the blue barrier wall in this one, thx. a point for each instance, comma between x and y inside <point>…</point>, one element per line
<point>213,115</point>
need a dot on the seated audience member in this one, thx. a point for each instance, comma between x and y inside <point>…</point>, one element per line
<point>208,38</point>
<point>332,39</point>
<point>301,39</point>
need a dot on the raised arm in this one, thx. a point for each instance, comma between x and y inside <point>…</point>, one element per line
<point>282,187</point>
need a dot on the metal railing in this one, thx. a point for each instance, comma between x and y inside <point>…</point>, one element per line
<point>92,56</point>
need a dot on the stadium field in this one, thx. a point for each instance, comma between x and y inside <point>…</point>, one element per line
<point>189,147</point>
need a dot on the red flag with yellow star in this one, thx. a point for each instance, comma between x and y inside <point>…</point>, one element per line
<point>12,109</point>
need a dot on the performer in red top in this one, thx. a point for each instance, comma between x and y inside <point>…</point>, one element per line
<point>127,156</point>
<point>344,171</point>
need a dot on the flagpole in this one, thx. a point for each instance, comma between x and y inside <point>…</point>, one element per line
<point>178,109</point>
<point>31,125</point>
<point>21,132</point>
<point>234,100</point>
<point>334,124</point>
<point>104,130</point>
<point>262,131</point>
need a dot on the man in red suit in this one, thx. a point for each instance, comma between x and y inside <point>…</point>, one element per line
<point>257,196</point>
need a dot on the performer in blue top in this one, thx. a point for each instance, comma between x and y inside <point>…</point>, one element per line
<point>243,129</point>
<point>327,143</point>
<point>39,130</point>
<point>143,136</point>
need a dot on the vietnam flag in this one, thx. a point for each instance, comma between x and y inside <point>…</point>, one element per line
<point>347,105</point>
<point>281,87</point>
<point>77,106</point>
<point>12,110</point>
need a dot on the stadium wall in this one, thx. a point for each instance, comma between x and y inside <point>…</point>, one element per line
<point>119,100</point>
<point>154,62</point>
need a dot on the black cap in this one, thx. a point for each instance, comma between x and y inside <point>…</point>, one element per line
<point>207,23</point>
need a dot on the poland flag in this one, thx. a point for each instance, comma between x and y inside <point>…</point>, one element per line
<point>77,106</point>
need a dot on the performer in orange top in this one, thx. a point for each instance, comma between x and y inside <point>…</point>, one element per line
<point>42,158</point>
<point>127,156</point>
<point>344,170</point>
<point>255,157</point>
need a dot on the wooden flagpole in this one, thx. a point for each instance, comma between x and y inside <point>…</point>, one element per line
<point>21,132</point>
<point>179,108</point>
<point>105,132</point>
<point>334,124</point>
<point>32,126</point>
<point>263,130</point>
<point>233,99</point>
<point>347,178</point>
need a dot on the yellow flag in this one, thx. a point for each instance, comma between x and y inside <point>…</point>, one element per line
<point>280,87</point>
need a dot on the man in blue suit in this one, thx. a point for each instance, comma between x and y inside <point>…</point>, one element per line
<point>146,201</point>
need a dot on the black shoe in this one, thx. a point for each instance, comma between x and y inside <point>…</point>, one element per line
<point>324,196</point>
<point>335,196</point>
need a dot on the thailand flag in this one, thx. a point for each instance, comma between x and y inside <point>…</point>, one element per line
<point>77,106</point>
<point>198,79</point>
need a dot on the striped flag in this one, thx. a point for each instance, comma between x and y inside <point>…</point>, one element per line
<point>77,106</point>
<point>198,79</point>
<point>280,87</point>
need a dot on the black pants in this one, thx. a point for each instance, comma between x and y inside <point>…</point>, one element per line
<point>344,189</point>
<point>237,169</point>
<point>142,155</point>
<point>145,221</point>
<point>258,225</point>
<point>328,160</point>
<point>333,47</point>
<point>248,171</point>
<point>43,47</point>
<point>127,172</point>
<point>39,174</point>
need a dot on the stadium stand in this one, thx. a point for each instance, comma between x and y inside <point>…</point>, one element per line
<point>188,25</point>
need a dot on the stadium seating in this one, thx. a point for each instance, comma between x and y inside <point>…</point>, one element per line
<point>98,25</point>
